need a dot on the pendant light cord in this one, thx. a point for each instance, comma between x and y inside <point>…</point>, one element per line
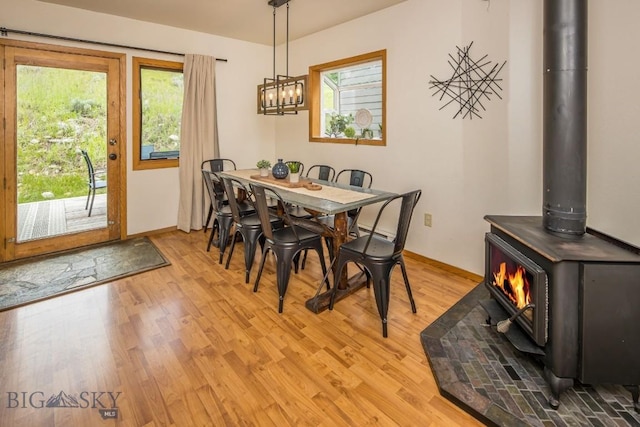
<point>287,69</point>
<point>274,42</point>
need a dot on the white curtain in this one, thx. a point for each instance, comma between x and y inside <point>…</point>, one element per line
<point>199,137</point>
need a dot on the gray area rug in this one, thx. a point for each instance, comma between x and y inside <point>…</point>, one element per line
<point>27,281</point>
<point>478,369</point>
<point>41,219</point>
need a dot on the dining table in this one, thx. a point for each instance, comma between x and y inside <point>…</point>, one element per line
<point>320,197</point>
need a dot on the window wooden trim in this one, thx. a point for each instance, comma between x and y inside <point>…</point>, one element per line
<point>137,64</point>
<point>315,96</point>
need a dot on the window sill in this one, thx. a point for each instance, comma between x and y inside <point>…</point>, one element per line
<point>353,141</point>
<point>155,164</point>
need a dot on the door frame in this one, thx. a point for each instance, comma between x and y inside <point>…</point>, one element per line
<point>9,250</point>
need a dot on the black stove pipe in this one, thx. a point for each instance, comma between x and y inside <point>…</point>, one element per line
<point>565,116</point>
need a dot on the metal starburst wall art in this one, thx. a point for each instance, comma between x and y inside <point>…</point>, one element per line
<point>471,83</point>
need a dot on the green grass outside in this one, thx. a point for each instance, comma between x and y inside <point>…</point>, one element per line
<point>60,112</point>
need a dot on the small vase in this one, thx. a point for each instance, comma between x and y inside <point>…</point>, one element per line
<point>264,171</point>
<point>294,177</point>
<point>280,170</point>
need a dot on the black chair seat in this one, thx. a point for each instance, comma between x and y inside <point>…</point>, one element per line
<point>291,235</point>
<point>379,249</point>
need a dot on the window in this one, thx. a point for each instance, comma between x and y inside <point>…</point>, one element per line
<point>347,100</point>
<point>158,88</point>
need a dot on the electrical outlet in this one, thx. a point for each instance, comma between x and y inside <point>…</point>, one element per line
<point>427,219</point>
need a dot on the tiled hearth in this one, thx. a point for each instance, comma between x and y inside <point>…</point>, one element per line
<point>479,370</point>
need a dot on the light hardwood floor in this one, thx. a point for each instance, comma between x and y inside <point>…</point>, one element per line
<point>191,344</point>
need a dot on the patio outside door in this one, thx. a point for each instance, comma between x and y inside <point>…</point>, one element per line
<point>56,104</point>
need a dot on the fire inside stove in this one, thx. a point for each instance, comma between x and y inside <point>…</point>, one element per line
<point>514,282</point>
<point>519,285</point>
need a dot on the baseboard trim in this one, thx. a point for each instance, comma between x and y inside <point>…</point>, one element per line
<point>446,267</point>
<point>153,232</point>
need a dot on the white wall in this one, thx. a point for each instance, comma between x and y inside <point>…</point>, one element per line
<point>456,163</point>
<point>152,196</point>
<point>613,198</point>
<point>470,168</point>
<point>466,168</point>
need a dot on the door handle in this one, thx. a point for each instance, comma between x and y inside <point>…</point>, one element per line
<point>113,156</point>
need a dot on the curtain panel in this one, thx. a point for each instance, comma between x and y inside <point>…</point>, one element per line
<point>198,137</point>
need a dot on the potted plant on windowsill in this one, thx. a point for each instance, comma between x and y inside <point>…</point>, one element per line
<point>294,169</point>
<point>264,166</point>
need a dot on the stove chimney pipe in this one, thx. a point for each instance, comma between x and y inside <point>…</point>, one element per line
<point>565,116</point>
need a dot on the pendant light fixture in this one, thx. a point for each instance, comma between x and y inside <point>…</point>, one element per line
<point>282,94</point>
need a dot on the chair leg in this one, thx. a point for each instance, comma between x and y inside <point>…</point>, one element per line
<point>406,284</point>
<point>381,290</point>
<point>233,245</point>
<point>93,196</point>
<point>250,244</point>
<point>213,232</point>
<point>296,263</point>
<point>329,244</point>
<point>206,223</point>
<point>86,205</point>
<point>224,228</point>
<point>283,272</point>
<point>265,250</point>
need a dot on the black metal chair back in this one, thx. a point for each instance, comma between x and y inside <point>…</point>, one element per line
<point>357,177</point>
<point>229,185</point>
<point>325,172</point>
<point>222,218</point>
<point>217,165</point>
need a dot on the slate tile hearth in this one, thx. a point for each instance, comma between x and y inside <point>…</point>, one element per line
<point>478,369</point>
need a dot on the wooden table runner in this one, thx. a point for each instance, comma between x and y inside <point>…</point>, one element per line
<point>338,195</point>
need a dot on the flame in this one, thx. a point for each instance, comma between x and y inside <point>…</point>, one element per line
<point>518,286</point>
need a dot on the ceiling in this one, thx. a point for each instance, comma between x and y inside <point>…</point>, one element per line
<point>249,20</point>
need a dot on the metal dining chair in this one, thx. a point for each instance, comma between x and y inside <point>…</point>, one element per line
<point>216,165</point>
<point>286,243</point>
<point>94,184</point>
<point>249,227</point>
<point>378,256</point>
<point>223,216</point>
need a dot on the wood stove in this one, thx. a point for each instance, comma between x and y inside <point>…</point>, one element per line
<point>583,304</point>
<point>578,304</point>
